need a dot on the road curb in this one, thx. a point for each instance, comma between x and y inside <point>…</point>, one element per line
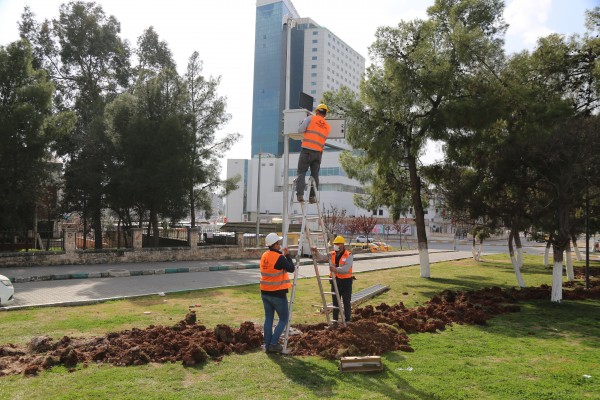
<point>121,273</point>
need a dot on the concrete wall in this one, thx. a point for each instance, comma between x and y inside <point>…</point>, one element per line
<point>136,254</point>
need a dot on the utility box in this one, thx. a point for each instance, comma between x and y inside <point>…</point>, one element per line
<point>361,364</point>
<point>291,122</point>
<point>292,119</point>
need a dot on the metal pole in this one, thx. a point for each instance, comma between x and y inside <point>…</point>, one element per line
<point>286,144</point>
<point>258,201</point>
<point>587,236</point>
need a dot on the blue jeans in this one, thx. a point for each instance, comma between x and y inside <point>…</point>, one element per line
<point>274,304</point>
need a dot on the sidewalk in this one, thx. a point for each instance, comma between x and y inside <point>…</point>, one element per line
<point>62,272</point>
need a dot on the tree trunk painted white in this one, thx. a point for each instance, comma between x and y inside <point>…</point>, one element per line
<point>557,281</point>
<point>546,253</point>
<point>473,250</point>
<point>480,251</point>
<point>569,264</point>
<point>424,261</point>
<point>513,260</point>
<point>518,275</point>
<point>577,252</point>
<point>519,247</point>
<point>517,265</point>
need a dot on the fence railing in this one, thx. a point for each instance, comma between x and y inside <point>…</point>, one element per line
<point>115,239</point>
<point>13,241</point>
<point>28,240</point>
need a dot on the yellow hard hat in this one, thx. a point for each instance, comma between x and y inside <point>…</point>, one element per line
<point>339,240</point>
<point>322,107</point>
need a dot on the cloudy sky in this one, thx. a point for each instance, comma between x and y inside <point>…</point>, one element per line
<point>223,33</point>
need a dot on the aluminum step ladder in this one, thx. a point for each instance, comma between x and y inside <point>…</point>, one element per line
<point>318,239</point>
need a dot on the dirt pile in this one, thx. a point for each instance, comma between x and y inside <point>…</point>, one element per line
<point>373,331</point>
<point>184,342</point>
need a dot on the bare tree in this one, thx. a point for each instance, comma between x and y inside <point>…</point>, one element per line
<point>333,219</point>
<point>366,224</point>
<point>352,226</point>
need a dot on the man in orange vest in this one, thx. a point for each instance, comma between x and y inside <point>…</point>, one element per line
<point>315,130</point>
<point>340,265</point>
<point>275,264</point>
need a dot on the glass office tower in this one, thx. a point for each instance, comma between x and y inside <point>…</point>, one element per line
<point>268,97</point>
<point>319,62</point>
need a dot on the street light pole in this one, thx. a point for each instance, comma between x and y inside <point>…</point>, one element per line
<point>587,235</point>
<point>258,201</point>
<point>286,141</point>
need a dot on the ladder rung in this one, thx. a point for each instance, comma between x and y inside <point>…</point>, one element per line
<point>329,292</point>
<point>325,278</point>
<point>327,307</point>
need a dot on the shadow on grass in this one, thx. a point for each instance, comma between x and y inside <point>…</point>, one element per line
<point>549,321</point>
<point>323,381</point>
<point>464,282</point>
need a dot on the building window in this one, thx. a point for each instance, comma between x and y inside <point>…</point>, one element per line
<point>315,41</point>
<point>313,84</point>
<point>314,57</point>
<point>315,32</point>
<point>314,66</point>
<point>313,92</point>
<point>314,74</point>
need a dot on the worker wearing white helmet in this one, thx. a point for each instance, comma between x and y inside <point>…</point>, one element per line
<point>315,130</point>
<point>275,264</point>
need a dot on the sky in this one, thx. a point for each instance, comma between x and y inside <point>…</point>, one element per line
<point>223,34</point>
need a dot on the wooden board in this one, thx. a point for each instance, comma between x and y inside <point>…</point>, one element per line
<point>361,364</point>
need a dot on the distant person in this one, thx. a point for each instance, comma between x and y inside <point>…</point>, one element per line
<point>275,264</point>
<point>340,266</point>
<point>315,130</point>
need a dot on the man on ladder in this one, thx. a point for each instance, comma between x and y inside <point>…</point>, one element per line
<point>315,130</point>
<point>340,267</point>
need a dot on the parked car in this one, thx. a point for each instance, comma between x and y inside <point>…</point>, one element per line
<point>363,239</point>
<point>382,246</point>
<point>7,291</point>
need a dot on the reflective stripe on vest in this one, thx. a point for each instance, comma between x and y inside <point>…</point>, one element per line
<point>272,279</point>
<point>316,133</point>
<point>342,263</point>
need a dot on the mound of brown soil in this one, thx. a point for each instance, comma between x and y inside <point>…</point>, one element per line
<point>373,331</point>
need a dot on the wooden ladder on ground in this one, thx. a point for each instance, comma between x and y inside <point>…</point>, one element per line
<point>314,238</point>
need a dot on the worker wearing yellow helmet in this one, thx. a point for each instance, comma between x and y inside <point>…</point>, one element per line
<point>315,130</point>
<point>340,267</point>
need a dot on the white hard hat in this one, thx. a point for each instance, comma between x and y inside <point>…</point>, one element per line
<point>272,238</point>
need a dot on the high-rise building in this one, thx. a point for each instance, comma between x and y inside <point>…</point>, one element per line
<point>319,61</point>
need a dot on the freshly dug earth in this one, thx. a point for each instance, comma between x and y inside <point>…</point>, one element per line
<point>373,331</point>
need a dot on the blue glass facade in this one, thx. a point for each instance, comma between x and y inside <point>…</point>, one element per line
<point>268,97</point>
<point>269,54</point>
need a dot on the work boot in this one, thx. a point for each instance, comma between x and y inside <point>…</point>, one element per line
<point>301,198</point>
<point>312,199</point>
<point>275,348</point>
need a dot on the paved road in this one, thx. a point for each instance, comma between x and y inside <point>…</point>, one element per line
<point>91,290</point>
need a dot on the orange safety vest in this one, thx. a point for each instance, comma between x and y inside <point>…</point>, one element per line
<point>348,274</point>
<point>316,133</point>
<point>272,279</point>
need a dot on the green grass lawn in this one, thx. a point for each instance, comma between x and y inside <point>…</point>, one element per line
<point>542,352</point>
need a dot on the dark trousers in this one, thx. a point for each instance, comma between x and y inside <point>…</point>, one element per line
<point>308,158</point>
<point>345,292</point>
